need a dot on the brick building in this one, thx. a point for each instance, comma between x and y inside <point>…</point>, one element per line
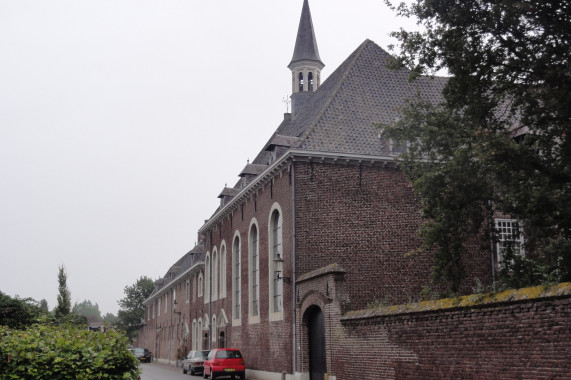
<point>318,224</point>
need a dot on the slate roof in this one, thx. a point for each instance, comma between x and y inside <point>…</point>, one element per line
<point>341,114</point>
<point>305,43</point>
<point>187,261</point>
<point>362,91</point>
<point>228,192</point>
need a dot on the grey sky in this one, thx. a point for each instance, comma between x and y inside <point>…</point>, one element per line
<point>122,120</point>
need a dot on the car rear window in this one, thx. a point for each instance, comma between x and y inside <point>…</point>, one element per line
<point>201,354</point>
<point>228,354</point>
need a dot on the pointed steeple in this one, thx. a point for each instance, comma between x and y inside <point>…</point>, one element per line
<point>305,44</point>
<point>306,64</point>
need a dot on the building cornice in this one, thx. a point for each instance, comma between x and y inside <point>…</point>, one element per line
<point>195,268</point>
<point>292,156</point>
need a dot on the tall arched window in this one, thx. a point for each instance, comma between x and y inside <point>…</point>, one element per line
<point>194,333</point>
<point>277,260</point>
<point>223,271</point>
<point>214,329</point>
<point>207,278</point>
<point>214,275</point>
<point>254,265</point>
<point>236,279</point>
<point>300,81</point>
<point>199,335</point>
<point>200,284</point>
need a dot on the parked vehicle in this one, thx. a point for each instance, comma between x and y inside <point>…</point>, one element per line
<point>143,354</point>
<point>194,362</point>
<point>225,362</point>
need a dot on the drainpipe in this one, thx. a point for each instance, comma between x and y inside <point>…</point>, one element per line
<point>210,297</point>
<point>293,268</point>
<point>491,226</point>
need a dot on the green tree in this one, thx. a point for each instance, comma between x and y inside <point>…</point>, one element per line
<point>44,305</point>
<point>87,308</point>
<point>17,313</point>
<point>500,139</point>
<point>132,310</point>
<point>110,318</point>
<point>63,307</point>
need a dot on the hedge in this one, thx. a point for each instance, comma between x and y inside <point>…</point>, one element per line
<point>65,352</point>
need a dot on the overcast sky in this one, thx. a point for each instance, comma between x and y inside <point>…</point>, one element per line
<point>122,120</point>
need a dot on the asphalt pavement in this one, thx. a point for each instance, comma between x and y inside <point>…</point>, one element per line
<point>160,371</point>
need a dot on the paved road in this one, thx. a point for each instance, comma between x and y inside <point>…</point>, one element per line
<point>157,371</point>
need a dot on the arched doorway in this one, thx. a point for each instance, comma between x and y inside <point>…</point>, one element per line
<point>316,342</point>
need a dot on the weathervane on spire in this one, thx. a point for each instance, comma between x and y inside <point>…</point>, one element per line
<point>287,102</point>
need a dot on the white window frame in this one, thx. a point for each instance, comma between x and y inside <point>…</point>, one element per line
<point>207,278</point>
<point>193,338</point>
<point>504,228</point>
<point>214,333</point>
<point>236,279</point>
<point>222,277</point>
<point>254,272</point>
<point>200,284</point>
<point>214,274</point>
<point>275,246</point>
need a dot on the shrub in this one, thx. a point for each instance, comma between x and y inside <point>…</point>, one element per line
<point>65,352</point>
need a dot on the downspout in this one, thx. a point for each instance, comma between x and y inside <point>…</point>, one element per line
<point>293,269</point>
<point>491,227</point>
<point>210,297</point>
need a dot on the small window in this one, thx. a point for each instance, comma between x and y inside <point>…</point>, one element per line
<point>310,81</point>
<point>510,237</point>
<point>300,81</point>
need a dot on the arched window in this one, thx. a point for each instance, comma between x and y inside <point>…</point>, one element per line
<point>214,275</point>
<point>207,278</point>
<point>200,283</point>
<point>194,335</point>
<point>213,329</point>
<point>223,271</point>
<point>254,265</point>
<point>199,335</point>
<point>276,260</point>
<point>166,302</point>
<point>310,81</point>
<point>300,81</point>
<point>187,291</point>
<point>236,279</point>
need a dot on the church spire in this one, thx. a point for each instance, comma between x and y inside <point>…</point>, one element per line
<point>305,64</point>
<point>305,44</point>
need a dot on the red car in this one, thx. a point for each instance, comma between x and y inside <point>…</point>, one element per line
<point>225,362</point>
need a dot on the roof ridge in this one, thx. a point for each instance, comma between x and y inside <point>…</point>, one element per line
<point>335,90</point>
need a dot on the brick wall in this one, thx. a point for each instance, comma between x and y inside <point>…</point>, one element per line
<point>524,339</point>
<point>265,345</point>
<point>366,218</point>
